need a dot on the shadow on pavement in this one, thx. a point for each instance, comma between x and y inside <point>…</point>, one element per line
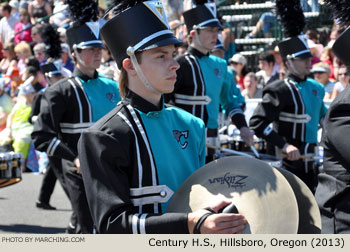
<point>30,229</point>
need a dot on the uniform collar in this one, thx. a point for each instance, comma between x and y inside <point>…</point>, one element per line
<point>141,104</point>
<point>191,50</point>
<point>295,78</point>
<point>77,72</point>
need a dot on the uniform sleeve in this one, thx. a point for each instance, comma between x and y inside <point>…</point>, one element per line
<point>106,176</point>
<point>337,130</point>
<point>265,113</point>
<point>46,128</point>
<point>35,107</point>
<point>230,104</point>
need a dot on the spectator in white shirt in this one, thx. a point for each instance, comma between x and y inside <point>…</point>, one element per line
<point>344,78</point>
<point>7,24</point>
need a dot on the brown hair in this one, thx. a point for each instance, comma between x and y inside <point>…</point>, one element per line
<point>9,46</point>
<point>123,77</point>
<point>123,82</point>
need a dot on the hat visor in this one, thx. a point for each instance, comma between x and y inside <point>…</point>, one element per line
<point>211,25</point>
<point>92,45</point>
<point>161,41</point>
<point>303,56</point>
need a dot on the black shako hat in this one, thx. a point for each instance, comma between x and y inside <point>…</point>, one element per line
<point>219,44</point>
<point>85,31</point>
<point>294,45</point>
<point>341,47</point>
<point>141,27</point>
<point>341,12</point>
<point>52,68</point>
<point>203,15</point>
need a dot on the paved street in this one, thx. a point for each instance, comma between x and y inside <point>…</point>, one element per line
<point>18,213</point>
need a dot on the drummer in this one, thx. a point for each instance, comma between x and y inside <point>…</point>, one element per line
<point>295,104</point>
<point>136,156</point>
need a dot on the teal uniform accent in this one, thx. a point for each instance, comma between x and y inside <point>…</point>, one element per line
<point>218,84</point>
<point>312,94</point>
<point>237,95</point>
<point>174,157</point>
<point>103,94</point>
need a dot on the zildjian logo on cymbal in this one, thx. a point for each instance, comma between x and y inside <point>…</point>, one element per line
<point>230,180</point>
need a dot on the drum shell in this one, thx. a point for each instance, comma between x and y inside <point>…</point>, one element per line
<point>14,173</point>
<point>5,169</point>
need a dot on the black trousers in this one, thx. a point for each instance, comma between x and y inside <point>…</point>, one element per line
<point>53,172</point>
<point>78,198</point>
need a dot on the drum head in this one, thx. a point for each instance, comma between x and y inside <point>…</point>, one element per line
<point>309,213</point>
<point>260,193</point>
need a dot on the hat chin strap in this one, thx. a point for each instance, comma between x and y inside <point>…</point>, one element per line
<point>78,57</point>
<point>197,39</point>
<point>291,64</point>
<point>141,75</point>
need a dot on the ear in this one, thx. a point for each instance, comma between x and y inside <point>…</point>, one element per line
<point>129,67</point>
<point>192,33</point>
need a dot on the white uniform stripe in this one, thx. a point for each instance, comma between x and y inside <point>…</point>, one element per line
<point>78,99</point>
<point>194,82</point>
<point>203,84</point>
<point>139,164</point>
<point>48,151</point>
<point>134,223</point>
<point>295,105</point>
<point>144,137</point>
<point>143,223</point>
<point>87,100</point>
<point>306,160</point>
<point>55,146</point>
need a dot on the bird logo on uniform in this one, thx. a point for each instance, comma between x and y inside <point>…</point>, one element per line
<point>178,135</point>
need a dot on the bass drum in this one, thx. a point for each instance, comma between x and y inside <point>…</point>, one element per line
<point>10,163</point>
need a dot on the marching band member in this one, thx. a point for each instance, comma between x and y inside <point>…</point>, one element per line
<point>333,189</point>
<point>294,104</point>
<point>203,83</point>
<point>134,158</point>
<point>75,103</point>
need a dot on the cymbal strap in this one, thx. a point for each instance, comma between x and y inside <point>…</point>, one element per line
<point>197,227</point>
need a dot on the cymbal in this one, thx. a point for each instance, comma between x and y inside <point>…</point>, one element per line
<point>309,213</point>
<point>259,191</point>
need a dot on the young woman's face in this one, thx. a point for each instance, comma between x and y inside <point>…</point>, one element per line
<point>300,67</point>
<point>205,39</point>
<point>159,68</point>
<point>91,58</point>
<point>343,75</point>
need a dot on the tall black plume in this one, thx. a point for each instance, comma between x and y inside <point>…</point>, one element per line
<point>291,16</point>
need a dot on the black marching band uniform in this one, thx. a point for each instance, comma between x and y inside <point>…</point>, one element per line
<point>333,190</point>
<point>53,67</point>
<point>294,106</point>
<point>132,157</point>
<point>66,110</point>
<point>203,81</point>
